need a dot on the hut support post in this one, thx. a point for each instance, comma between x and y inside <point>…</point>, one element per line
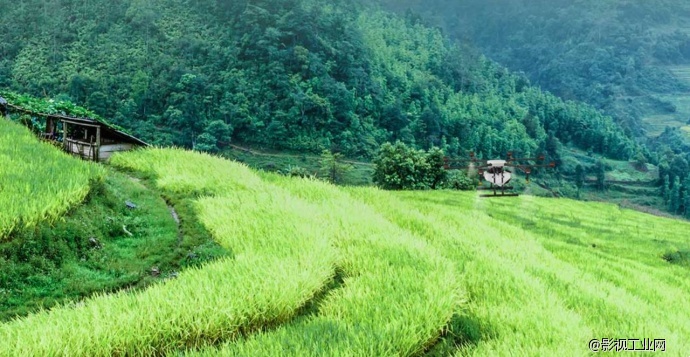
<point>64,135</point>
<point>97,153</point>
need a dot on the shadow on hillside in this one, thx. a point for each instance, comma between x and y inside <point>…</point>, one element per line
<point>462,330</point>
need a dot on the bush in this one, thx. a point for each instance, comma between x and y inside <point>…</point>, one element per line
<point>217,134</point>
<point>458,180</point>
<point>436,174</point>
<point>297,171</point>
<point>399,167</point>
<point>206,142</point>
<point>678,257</point>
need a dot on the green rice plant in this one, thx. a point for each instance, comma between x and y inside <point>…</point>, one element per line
<point>508,312</point>
<point>397,297</point>
<point>188,172</point>
<point>547,295</point>
<point>281,259</point>
<point>525,276</point>
<point>37,182</point>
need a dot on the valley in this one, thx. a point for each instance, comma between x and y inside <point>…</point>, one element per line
<point>277,177</point>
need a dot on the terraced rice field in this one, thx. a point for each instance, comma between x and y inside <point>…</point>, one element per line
<point>547,275</point>
<point>37,182</point>
<point>681,72</point>
<point>656,124</point>
<point>319,270</point>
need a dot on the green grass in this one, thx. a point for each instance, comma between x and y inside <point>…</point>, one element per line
<point>281,261</point>
<point>625,184</point>
<point>58,262</point>
<point>617,170</point>
<point>322,270</point>
<point>37,182</point>
<point>626,171</point>
<point>61,228</point>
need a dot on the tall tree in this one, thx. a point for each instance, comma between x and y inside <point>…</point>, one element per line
<point>666,189</point>
<point>600,171</point>
<point>332,167</point>
<point>579,177</point>
<point>674,198</point>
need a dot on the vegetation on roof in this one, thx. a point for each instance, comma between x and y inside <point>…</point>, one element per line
<point>53,107</point>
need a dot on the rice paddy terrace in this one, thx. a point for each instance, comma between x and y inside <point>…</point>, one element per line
<point>321,270</point>
<point>656,123</point>
<point>29,168</point>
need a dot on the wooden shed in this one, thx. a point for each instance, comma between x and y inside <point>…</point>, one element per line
<point>91,139</point>
<point>84,137</point>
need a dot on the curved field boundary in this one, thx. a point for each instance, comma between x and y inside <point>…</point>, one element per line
<point>397,297</point>
<point>281,261</point>
<point>508,312</point>
<point>539,288</point>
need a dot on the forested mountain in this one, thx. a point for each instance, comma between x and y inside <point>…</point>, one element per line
<point>628,58</point>
<point>618,55</point>
<point>301,75</point>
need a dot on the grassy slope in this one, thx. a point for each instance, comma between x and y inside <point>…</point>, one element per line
<point>50,177</point>
<point>281,260</point>
<point>546,275</point>
<point>397,293</point>
<point>71,242</point>
<point>626,185</point>
<point>57,263</point>
<point>542,276</point>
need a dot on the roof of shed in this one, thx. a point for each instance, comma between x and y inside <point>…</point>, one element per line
<point>110,129</point>
<point>107,128</point>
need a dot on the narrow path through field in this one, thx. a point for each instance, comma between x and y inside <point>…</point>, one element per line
<point>180,234</point>
<point>173,213</point>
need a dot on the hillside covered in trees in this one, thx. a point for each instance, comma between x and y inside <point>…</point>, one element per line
<point>621,56</point>
<point>298,75</point>
<point>629,59</point>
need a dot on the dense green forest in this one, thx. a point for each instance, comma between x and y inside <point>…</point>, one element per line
<point>306,76</point>
<point>629,59</point>
<point>611,54</point>
<point>292,74</point>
